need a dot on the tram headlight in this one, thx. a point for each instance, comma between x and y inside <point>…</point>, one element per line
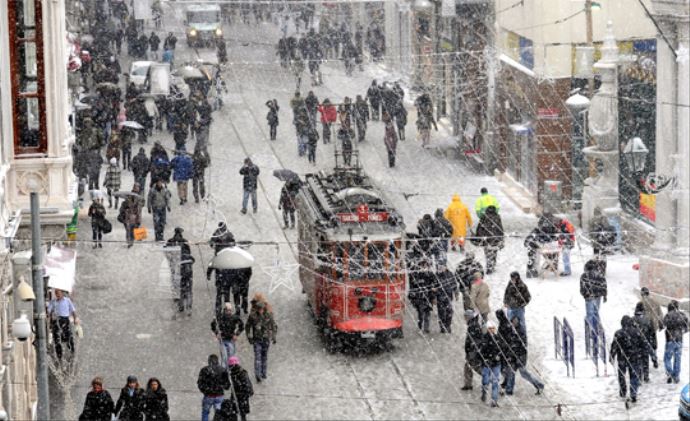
<point>192,32</point>
<point>219,32</point>
<point>367,304</point>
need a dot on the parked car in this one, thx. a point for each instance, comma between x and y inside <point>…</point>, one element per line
<point>137,72</point>
<point>684,407</point>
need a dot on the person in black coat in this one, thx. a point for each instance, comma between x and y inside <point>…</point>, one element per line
<point>644,325</point>
<point>446,289</point>
<point>514,353</point>
<point>374,97</point>
<point>442,232</point>
<point>130,404</point>
<point>593,289</point>
<point>545,232</point>
<point>272,117</point>
<point>420,294</point>
<point>676,323</point>
<point>473,343</point>
<point>491,362</point>
<point>425,229</point>
<point>212,382</point>
<point>155,401</point>
<point>98,405</point>
<point>222,238</point>
<point>490,235</point>
<point>241,387</point>
<point>516,298</point>
<point>627,349</point>
<point>464,273</point>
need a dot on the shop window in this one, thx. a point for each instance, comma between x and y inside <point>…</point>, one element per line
<point>28,81</point>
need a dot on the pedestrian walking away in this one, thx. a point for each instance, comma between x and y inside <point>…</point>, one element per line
<point>130,404</point>
<point>212,382</point>
<point>461,219</point>
<point>272,117</point>
<point>329,114</point>
<point>644,325</point>
<point>627,350</point>
<point>515,299</point>
<point>479,296</point>
<point>261,331</point>
<point>140,168</point>
<point>490,236</point>
<point>183,170</point>
<point>242,387</point>
<point>390,139</point>
<point>159,205</point>
<point>250,178</point>
<point>473,343</point>
<point>676,323</point>
<point>112,182</point>
<point>484,201</point>
<point>200,161</point>
<point>491,362</point>
<point>98,405</point>
<point>184,305</point>
<point>287,204</point>
<point>156,401</point>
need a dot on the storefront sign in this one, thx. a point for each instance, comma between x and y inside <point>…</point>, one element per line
<point>548,113</point>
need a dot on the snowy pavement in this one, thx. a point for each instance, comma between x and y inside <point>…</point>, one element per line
<point>125,303</point>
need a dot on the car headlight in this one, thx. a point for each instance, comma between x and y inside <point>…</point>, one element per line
<point>192,32</point>
<point>219,32</point>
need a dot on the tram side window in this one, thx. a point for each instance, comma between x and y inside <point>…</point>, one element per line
<point>323,253</point>
<point>339,261</point>
<point>356,268</point>
<point>376,258</point>
<point>393,263</point>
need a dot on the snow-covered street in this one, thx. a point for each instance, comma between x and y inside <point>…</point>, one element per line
<point>124,302</point>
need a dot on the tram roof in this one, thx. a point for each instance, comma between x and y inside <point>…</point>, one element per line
<point>334,203</point>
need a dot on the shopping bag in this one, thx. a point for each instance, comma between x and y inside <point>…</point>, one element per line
<point>140,233</point>
<point>106,226</point>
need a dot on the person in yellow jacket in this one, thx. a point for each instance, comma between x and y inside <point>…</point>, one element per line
<point>484,201</point>
<point>460,218</point>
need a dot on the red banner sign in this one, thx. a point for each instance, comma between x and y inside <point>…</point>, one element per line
<point>362,215</point>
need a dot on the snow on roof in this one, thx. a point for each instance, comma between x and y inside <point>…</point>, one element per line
<point>510,62</point>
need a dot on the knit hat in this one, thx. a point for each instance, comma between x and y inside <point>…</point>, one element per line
<point>234,360</point>
<point>131,379</point>
<point>113,161</point>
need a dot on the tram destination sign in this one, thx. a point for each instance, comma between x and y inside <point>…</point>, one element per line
<point>362,215</point>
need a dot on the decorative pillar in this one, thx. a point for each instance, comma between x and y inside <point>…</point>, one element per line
<point>602,191</point>
<point>680,194</point>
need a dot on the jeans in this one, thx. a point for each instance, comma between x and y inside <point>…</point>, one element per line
<point>565,251</point>
<point>245,199</point>
<point>159,220</point>
<point>326,132</point>
<point>491,374</point>
<point>227,350</point>
<point>142,184</point>
<point>633,369</point>
<point>301,145</point>
<point>423,313</point>
<point>273,131</point>
<point>198,186</point>
<point>673,351</point>
<point>261,357</point>
<point>311,153</point>
<point>592,316</point>
<point>206,403</point>
<point>182,190</point>
<point>127,157</point>
<point>510,379</point>
<point>97,232</point>
<point>518,312</point>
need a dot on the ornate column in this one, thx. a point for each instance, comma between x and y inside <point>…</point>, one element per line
<point>602,191</point>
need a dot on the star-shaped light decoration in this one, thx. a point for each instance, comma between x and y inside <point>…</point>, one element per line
<point>281,275</point>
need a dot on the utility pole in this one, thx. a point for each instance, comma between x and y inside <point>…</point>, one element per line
<point>438,60</point>
<point>43,410</point>
<point>489,145</point>
<point>590,43</point>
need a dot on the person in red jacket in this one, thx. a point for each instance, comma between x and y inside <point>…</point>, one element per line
<point>328,116</point>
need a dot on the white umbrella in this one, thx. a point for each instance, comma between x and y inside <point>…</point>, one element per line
<point>133,124</point>
<point>232,258</point>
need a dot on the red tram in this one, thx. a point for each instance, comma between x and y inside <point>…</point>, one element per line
<point>350,253</point>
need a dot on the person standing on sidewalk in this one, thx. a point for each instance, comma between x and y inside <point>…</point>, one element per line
<point>212,382</point>
<point>227,327</point>
<point>200,161</point>
<point>261,331</point>
<point>287,204</point>
<point>676,324</point>
<point>516,298</point>
<point>183,168</point>
<point>250,179</point>
<point>158,204</point>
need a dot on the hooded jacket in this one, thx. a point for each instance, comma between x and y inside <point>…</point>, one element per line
<point>459,217</point>
<point>592,283</point>
<point>516,294</point>
<point>490,229</point>
<point>676,323</point>
<point>213,379</point>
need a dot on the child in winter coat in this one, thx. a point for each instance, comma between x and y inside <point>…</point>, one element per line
<point>112,182</point>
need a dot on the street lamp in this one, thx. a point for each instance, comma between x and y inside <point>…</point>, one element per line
<point>578,105</point>
<point>635,153</point>
<point>423,6</point>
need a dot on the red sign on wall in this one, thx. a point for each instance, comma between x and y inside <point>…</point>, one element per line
<point>362,215</point>
<point>548,113</point>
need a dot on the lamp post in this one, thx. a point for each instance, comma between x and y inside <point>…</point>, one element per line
<point>589,6</point>
<point>635,154</point>
<point>578,105</point>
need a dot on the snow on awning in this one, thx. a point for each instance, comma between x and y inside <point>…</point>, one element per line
<point>521,129</point>
<point>60,266</point>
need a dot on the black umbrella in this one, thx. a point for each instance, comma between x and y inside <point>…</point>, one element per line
<point>285,175</point>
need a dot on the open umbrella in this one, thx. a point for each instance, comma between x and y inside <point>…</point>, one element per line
<point>132,125</point>
<point>232,258</point>
<point>124,194</point>
<point>89,99</point>
<point>285,174</point>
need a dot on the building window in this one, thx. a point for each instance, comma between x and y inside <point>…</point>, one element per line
<point>28,81</point>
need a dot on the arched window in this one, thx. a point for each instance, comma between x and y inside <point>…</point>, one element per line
<point>28,80</point>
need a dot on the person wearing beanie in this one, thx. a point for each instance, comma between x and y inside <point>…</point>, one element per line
<point>130,404</point>
<point>491,362</point>
<point>222,238</point>
<point>652,309</point>
<point>676,323</point>
<point>242,390</point>
<point>484,201</point>
<point>479,296</point>
<point>112,182</point>
<point>516,298</point>
<point>212,382</point>
<point>473,342</point>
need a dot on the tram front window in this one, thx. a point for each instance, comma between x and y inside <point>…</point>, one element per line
<point>368,260</point>
<point>356,262</point>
